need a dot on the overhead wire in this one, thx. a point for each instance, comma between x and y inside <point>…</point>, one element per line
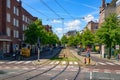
<point>36,10</point>
<point>50,9</point>
<point>63,8</point>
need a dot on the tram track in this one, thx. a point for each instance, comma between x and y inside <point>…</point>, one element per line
<point>32,70</point>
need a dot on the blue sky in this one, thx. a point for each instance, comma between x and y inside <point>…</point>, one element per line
<point>63,21</point>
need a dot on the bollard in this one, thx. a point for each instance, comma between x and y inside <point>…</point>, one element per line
<point>89,60</point>
<point>85,60</point>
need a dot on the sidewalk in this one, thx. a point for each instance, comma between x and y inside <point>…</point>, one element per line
<point>81,58</point>
<point>100,57</point>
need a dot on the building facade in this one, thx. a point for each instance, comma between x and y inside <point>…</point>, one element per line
<point>92,26</point>
<point>106,9</point>
<point>14,19</point>
<point>118,8</point>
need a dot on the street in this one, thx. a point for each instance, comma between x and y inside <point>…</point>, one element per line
<point>59,69</point>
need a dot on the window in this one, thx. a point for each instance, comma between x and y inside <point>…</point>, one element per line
<point>23,17</point>
<point>8,3</point>
<point>8,31</point>
<point>8,17</point>
<point>23,37</point>
<point>16,11</point>
<point>15,22</point>
<point>17,34</point>
<point>95,27</point>
<point>23,28</point>
<point>14,33</point>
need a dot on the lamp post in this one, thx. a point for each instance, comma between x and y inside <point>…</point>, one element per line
<point>38,45</point>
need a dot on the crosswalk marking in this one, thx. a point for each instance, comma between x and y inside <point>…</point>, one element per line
<point>101,63</point>
<point>70,62</point>
<point>117,63</point>
<point>57,62</point>
<point>2,62</point>
<point>11,62</point>
<point>51,62</point>
<point>64,62</point>
<point>27,62</point>
<point>75,63</point>
<point>19,62</point>
<point>110,63</point>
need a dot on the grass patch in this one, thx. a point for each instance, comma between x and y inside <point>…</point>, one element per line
<point>64,59</point>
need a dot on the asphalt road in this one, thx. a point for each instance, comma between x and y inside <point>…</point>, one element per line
<point>9,69</point>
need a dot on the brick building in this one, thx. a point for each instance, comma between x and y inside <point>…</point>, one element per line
<point>92,26</point>
<point>118,8</point>
<point>106,9</point>
<point>14,19</point>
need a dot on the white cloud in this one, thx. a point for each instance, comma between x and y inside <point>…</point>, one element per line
<point>89,18</point>
<point>56,21</point>
<point>72,25</point>
<point>58,30</point>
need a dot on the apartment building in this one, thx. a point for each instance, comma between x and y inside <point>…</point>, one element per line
<point>118,8</point>
<point>106,9</point>
<point>14,19</point>
<point>92,26</point>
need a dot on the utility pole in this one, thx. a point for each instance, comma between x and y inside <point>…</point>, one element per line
<point>38,45</point>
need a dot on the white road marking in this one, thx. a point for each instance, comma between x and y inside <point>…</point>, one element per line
<point>51,62</point>
<point>11,62</point>
<point>117,71</point>
<point>57,62</point>
<point>117,63</point>
<point>101,63</point>
<point>64,62</point>
<point>107,71</point>
<point>70,62</point>
<point>2,62</point>
<point>110,63</point>
<point>26,62</point>
<point>75,62</point>
<point>19,62</point>
<point>95,70</point>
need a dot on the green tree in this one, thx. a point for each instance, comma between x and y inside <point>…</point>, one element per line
<point>87,37</point>
<point>64,40</point>
<point>109,32</point>
<point>31,34</point>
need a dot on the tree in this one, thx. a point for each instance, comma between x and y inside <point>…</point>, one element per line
<point>31,34</point>
<point>109,32</point>
<point>87,37</point>
<point>64,39</point>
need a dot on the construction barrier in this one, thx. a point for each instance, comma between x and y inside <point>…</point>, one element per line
<point>25,52</point>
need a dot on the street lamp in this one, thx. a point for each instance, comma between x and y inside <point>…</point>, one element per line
<point>38,45</point>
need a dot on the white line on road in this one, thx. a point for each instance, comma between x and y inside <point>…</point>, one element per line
<point>101,63</point>
<point>19,62</point>
<point>75,62</point>
<point>110,63</point>
<point>11,62</point>
<point>70,62</point>
<point>64,62</point>
<point>27,62</point>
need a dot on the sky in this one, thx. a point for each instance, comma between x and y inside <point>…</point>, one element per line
<point>64,15</point>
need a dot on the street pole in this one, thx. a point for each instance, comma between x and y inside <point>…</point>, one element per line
<point>38,54</point>
<point>38,45</point>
